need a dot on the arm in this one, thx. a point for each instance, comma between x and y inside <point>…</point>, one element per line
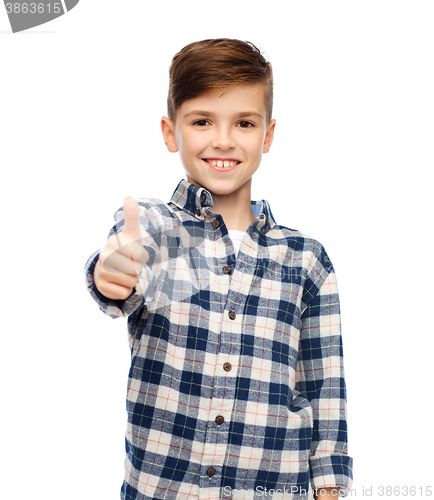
<point>320,376</point>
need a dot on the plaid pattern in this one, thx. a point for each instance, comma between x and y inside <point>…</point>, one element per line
<point>236,385</point>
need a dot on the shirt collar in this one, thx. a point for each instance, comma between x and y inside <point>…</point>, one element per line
<point>197,201</point>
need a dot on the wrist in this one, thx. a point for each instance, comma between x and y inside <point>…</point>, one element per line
<point>329,493</point>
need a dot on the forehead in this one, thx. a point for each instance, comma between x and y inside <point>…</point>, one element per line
<point>232,100</point>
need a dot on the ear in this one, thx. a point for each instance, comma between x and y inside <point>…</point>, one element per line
<point>168,129</point>
<point>269,136</point>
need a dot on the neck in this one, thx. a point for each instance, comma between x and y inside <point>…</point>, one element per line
<point>235,208</point>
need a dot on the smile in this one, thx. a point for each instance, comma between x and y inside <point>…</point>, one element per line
<point>221,163</point>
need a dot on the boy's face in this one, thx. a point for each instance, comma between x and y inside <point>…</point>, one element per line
<point>221,138</point>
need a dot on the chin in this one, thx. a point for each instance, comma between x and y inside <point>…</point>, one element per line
<point>216,186</point>
<point>221,191</point>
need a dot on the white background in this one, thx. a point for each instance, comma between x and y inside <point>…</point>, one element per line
<point>80,104</point>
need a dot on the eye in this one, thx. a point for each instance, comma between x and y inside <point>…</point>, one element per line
<point>245,124</point>
<point>201,123</point>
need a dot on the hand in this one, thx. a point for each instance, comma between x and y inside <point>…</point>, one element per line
<point>120,262</point>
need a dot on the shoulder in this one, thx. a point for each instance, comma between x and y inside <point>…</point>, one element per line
<point>301,246</point>
<point>307,258</point>
<point>155,216</point>
<point>147,206</point>
<point>153,212</point>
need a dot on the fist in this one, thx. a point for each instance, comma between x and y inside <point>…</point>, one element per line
<point>121,261</point>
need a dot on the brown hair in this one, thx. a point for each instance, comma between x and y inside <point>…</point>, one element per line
<point>208,65</point>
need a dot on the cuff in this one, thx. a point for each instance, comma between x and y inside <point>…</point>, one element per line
<point>332,471</point>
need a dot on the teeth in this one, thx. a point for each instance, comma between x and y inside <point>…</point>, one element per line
<point>223,163</point>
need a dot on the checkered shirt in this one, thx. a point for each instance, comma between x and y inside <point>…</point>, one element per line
<point>236,387</point>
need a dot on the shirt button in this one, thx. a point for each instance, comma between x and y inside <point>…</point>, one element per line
<point>216,223</point>
<point>226,269</point>
<point>219,420</point>
<point>227,367</point>
<point>210,471</point>
<point>198,212</point>
<point>203,197</point>
<point>232,315</point>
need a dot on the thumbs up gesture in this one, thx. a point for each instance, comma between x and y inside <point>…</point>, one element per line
<point>120,262</point>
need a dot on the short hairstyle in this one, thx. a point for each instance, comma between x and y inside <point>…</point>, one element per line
<point>208,65</point>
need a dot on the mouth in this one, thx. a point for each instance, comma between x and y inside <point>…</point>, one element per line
<point>222,163</point>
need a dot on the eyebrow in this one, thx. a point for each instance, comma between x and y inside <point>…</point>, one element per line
<point>209,114</point>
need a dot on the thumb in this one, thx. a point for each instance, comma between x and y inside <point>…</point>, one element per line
<point>131,218</point>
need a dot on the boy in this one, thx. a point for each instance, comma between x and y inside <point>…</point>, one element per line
<point>236,385</point>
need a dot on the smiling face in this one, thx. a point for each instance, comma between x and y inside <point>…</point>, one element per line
<point>221,137</point>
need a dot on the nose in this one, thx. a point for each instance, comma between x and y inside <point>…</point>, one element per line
<point>223,139</point>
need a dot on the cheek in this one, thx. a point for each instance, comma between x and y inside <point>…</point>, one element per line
<point>199,142</point>
<point>255,144</point>
<point>192,145</point>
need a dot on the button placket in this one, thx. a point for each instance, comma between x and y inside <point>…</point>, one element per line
<point>227,367</point>
<point>210,477</point>
<point>224,382</point>
<point>219,420</point>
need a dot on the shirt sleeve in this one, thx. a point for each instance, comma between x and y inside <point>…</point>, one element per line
<point>320,376</point>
